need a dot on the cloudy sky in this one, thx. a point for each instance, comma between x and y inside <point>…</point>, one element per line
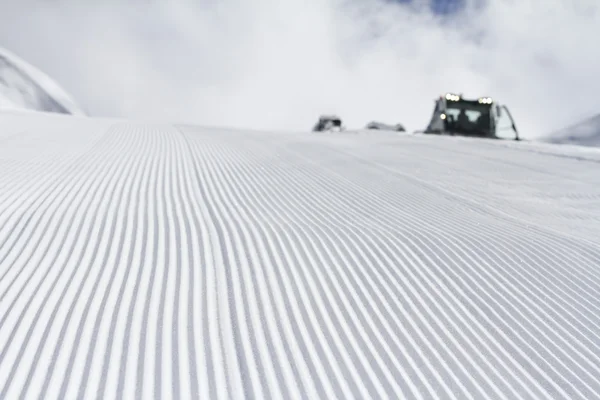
<point>278,64</point>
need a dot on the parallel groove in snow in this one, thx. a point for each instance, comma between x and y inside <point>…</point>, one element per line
<point>142,261</point>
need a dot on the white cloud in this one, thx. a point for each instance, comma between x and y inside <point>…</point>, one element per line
<point>281,63</point>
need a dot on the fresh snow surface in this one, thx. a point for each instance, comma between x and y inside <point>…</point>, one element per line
<point>24,87</point>
<point>142,260</point>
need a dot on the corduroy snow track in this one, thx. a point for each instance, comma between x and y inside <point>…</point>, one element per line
<point>145,260</point>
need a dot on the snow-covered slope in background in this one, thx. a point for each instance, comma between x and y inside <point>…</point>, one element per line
<point>585,133</point>
<point>24,87</point>
<point>142,261</point>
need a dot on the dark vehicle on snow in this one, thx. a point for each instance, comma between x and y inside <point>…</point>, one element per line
<point>328,123</point>
<point>455,115</point>
<point>386,127</point>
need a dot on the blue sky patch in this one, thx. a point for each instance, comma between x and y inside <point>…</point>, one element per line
<point>442,7</point>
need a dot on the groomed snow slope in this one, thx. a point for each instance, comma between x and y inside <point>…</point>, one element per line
<point>141,261</point>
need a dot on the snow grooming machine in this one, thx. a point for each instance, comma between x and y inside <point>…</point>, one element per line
<point>455,115</point>
<point>328,123</point>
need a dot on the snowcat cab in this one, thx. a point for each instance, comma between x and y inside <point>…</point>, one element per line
<point>328,123</point>
<point>455,115</point>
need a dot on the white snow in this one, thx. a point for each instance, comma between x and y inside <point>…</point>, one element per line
<point>584,133</point>
<point>24,87</point>
<point>148,260</point>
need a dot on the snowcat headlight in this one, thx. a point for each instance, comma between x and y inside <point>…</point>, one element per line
<point>452,97</point>
<point>485,100</point>
<point>443,116</point>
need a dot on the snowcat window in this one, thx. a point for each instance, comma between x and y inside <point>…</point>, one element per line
<point>476,117</point>
<point>472,111</point>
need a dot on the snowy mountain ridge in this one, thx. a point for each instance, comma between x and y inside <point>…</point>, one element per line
<point>25,87</point>
<point>584,133</point>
